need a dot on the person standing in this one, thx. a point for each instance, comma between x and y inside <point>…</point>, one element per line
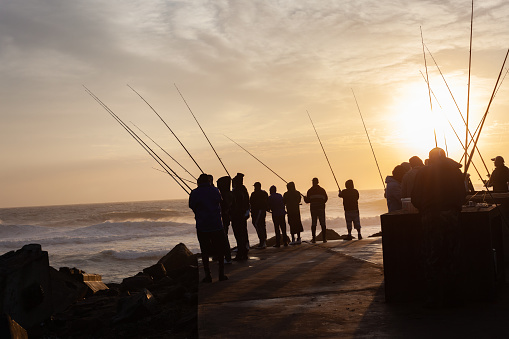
<point>205,201</point>
<point>317,197</point>
<point>259,205</point>
<point>239,215</point>
<point>439,193</point>
<point>223,184</point>
<point>500,176</point>
<point>407,182</point>
<point>351,206</point>
<point>292,199</point>
<point>277,207</point>
<point>393,189</point>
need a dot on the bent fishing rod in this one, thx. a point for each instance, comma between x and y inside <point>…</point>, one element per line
<point>326,157</point>
<point>217,155</point>
<point>365,129</point>
<point>162,149</point>
<point>429,89</point>
<point>164,122</point>
<point>140,142</point>
<point>157,169</point>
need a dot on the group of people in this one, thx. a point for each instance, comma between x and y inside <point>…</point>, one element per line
<point>216,208</point>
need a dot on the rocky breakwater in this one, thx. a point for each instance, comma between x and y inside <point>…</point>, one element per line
<point>42,302</point>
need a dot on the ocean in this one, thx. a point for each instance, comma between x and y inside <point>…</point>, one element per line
<point>118,240</point>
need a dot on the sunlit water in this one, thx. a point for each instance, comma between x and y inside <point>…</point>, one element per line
<point>118,240</point>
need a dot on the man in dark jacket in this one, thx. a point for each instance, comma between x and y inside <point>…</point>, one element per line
<point>500,176</point>
<point>317,197</point>
<point>439,193</point>
<point>224,186</point>
<point>205,202</point>
<point>259,206</point>
<point>239,215</point>
<point>277,207</point>
<point>351,206</point>
<point>292,199</point>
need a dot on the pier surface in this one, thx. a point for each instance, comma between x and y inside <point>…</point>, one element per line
<point>329,290</point>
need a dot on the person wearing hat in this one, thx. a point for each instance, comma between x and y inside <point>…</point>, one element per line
<point>259,200</point>
<point>439,193</point>
<point>239,215</point>
<point>499,177</point>
<point>316,197</point>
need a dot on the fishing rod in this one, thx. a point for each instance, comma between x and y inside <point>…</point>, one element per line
<point>142,98</point>
<point>468,95</point>
<point>365,129</point>
<point>162,149</point>
<point>217,155</point>
<point>190,181</point>
<point>486,113</point>
<point>429,89</point>
<point>323,151</point>
<point>140,141</point>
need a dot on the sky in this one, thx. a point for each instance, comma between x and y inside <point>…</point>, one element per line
<point>249,70</point>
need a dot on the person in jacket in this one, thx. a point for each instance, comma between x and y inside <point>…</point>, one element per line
<point>224,186</point>
<point>393,189</point>
<point>240,214</point>
<point>316,197</point>
<point>292,199</point>
<point>439,193</point>
<point>205,201</point>
<point>259,205</point>
<point>499,177</point>
<point>277,207</point>
<point>351,206</point>
<point>407,182</point>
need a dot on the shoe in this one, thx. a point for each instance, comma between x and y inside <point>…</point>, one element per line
<point>324,240</point>
<point>348,237</point>
<point>298,242</point>
<point>276,245</point>
<point>286,244</point>
<point>207,279</point>
<point>293,243</point>
<point>313,241</point>
<point>223,278</point>
<point>228,262</point>
<point>359,237</point>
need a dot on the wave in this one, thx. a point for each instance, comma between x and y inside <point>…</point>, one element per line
<point>132,254</point>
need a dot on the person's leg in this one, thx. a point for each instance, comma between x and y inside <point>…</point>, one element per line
<point>227,249</point>
<point>263,229</point>
<point>276,230</point>
<point>314,218</point>
<point>357,224</point>
<point>282,225</point>
<point>321,217</point>
<point>205,245</point>
<point>217,239</point>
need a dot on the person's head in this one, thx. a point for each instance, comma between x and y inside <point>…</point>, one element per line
<point>235,182</point>
<point>257,186</point>
<point>315,181</point>
<point>203,179</point>
<point>398,172</point>
<point>273,189</point>
<point>406,166</point>
<point>240,178</point>
<point>499,161</point>
<point>211,179</point>
<point>290,186</point>
<point>224,183</point>
<point>415,161</point>
<point>349,183</point>
<point>436,154</point>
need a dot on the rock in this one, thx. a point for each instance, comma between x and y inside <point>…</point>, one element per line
<point>25,285</point>
<point>135,307</point>
<point>156,271</point>
<point>65,290</point>
<point>92,281</point>
<point>9,329</point>
<point>331,235</point>
<point>137,283</point>
<point>179,257</point>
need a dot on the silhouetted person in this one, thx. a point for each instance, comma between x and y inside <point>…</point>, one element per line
<point>351,206</point>
<point>317,197</point>
<point>439,193</point>
<point>223,184</point>
<point>277,207</point>
<point>240,214</point>
<point>393,188</point>
<point>205,201</point>
<point>259,205</point>
<point>500,176</point>
<point>407,183</point>
<point>292,199</point>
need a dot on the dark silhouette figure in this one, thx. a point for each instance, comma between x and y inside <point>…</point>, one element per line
<point>259,201</point>
<point>224,184</point>
<point>439,193</point>
<point>240,214</point>
<point>277,207</point>
<point>500,176</point>
<point>407,183</point>
<point>292,199</point>
<point>393,188</point>
<point>317,197</point>
<point>351,206</point>
<point>205,201</point>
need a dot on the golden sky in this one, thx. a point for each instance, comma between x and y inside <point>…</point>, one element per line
<point>249,70</point>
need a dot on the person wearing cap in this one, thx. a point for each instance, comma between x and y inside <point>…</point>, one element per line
<point>205,201</point>
<point>316,197</point>
<point>239,215</point>
<point>499,177</point>
<point>277,207</point>
<point>407,183</point>
<point>439,193</point>
<point>258,201</point>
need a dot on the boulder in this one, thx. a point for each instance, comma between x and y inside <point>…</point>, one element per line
<point>9,329</point>
<point>137,283</point>
<point>65,290</point>
<point>135,307</point>
<point>156,271</point>
<point>179,257</point>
